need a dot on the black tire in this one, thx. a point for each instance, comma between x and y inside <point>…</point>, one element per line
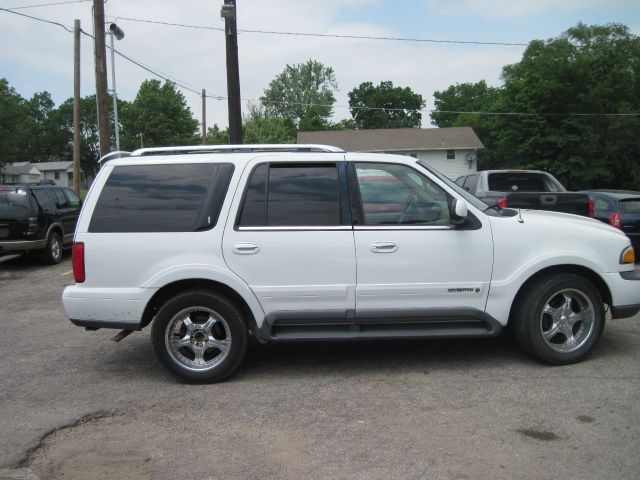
<point>190,332</point>
<point>559,319</point>
<point>52,254</point>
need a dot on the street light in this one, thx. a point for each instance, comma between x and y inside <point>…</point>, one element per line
<point>115,31</point>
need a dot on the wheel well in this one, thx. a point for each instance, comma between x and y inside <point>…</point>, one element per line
<point>168,291</point>
<point>58,230</point>
<point>585,272</point>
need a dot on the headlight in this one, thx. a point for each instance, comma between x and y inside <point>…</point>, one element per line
<point>627,255</point>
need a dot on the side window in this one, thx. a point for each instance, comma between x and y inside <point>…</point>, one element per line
<point>601,204</point>
<point>292,195</point>
<point>451,154</point>
<point>162,198</point>
<point>61,200</point>
<point>470,183</point>
<point>397,194</point>
<point>74,200</point>
<point>43,200</point>
<point>460,180</point>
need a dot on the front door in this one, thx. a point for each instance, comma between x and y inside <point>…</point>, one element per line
<point>409,254</point>
<point>292,240</point>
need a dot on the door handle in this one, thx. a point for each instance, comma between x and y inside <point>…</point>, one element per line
<point>245,248</point>
<point>384,247</point>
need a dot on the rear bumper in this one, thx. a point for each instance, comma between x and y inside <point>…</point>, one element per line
<point>120,308</point>
<point>21,245</point>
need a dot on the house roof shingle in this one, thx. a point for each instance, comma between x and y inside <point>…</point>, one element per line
<point>395,139</point>
<point>46,166</point>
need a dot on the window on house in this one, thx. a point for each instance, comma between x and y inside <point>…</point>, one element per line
<point>451,154</point>
<point>56,175</point>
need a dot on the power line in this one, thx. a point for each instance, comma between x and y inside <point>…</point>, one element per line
<point>36,5</point>
<point>68,29</point>
<point>326,35</point>
<point>182,85</point>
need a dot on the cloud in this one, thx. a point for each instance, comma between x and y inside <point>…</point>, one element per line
<point>500,9</point>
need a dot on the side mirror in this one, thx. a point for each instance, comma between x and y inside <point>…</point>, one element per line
<point>458,211</point>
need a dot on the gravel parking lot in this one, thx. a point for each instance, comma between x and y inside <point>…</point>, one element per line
<point>76,405</point>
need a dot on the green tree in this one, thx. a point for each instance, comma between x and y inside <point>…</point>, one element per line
<point>454,107</point>
<point>259,127</point>
<point>586,70</point>
<point>14,124</point>
<point>385,106</point>
<point>215,136</point>
<point>302,94</point>
<point>159,115</point>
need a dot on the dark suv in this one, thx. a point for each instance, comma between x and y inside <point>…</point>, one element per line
<point>37,218</point>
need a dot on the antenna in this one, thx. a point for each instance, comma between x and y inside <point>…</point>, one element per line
<point>520,219</point>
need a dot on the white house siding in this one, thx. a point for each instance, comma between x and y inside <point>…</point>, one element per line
<point>63,181</point>
<point>453,168</point>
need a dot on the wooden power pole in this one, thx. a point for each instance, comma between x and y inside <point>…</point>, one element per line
<point>204,116</point>
<point>228,12</point>
<point>76,106</point>
<point>101,77</point>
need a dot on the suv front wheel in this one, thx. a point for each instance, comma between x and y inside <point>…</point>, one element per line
<point>200,336</point>
<point>560,318</point>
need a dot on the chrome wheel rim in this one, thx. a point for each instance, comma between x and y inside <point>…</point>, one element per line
<point>56,249</point>
<point>567,320</point>
<point>198,339</point>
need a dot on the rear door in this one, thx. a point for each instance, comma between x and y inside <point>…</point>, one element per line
<point>629,209</point>
<point>291,239</point>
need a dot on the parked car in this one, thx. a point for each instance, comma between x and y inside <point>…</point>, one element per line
<point>211,245</point>
<point>532,189</point>
<point>621,209</point>
<point>37,219</point>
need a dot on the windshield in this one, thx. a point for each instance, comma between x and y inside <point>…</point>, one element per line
<point>473,200</point>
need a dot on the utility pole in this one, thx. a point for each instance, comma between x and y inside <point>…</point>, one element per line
<point>204,116</point>
<point>76,106</point>
<point>101,77</point>
<point>228,12</point>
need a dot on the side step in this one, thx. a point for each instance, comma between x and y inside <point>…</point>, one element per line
<point>431,323</point>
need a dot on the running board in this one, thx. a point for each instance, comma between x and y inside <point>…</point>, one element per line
<point>387,324</point>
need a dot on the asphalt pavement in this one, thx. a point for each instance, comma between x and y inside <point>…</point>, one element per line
<point>75,405</point>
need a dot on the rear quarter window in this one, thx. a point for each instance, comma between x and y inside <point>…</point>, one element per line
<point>161,198</point>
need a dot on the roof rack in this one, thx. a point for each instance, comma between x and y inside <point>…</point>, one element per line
<point>232,149</point>
<point>113,155</point>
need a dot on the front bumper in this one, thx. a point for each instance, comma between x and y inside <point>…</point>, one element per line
<point>625,293</point>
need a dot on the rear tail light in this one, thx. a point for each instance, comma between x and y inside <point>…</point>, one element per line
<point>614,219</point>
<point>592,210</point>
<point>502,202</point>
<point>78,262</point>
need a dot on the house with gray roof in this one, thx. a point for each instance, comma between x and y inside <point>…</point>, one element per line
<point>452,151</point>
<point>21,172</point>
<point>60,173</point>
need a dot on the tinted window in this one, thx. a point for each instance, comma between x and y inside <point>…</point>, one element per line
<point>630,206</point>
<point>515,182</point>
<point>161,198</point>
<point>74,200</point>
<point>254,210</point>
<point>13,203</point>
<point>397,194</point>
<point>61,200</point>
<point>43,200</point>
<point>300,195</point>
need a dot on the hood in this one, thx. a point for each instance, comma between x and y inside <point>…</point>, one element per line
<point>547,218</point>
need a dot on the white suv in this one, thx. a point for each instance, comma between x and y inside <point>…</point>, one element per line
<point>214,244</point>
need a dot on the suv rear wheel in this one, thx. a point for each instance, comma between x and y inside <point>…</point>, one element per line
<point>200,336</point>
<point>560,318</point>
<point>52,254</point>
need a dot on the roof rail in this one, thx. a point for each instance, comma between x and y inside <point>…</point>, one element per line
<point>113,155</point>
<point>189,149</point>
